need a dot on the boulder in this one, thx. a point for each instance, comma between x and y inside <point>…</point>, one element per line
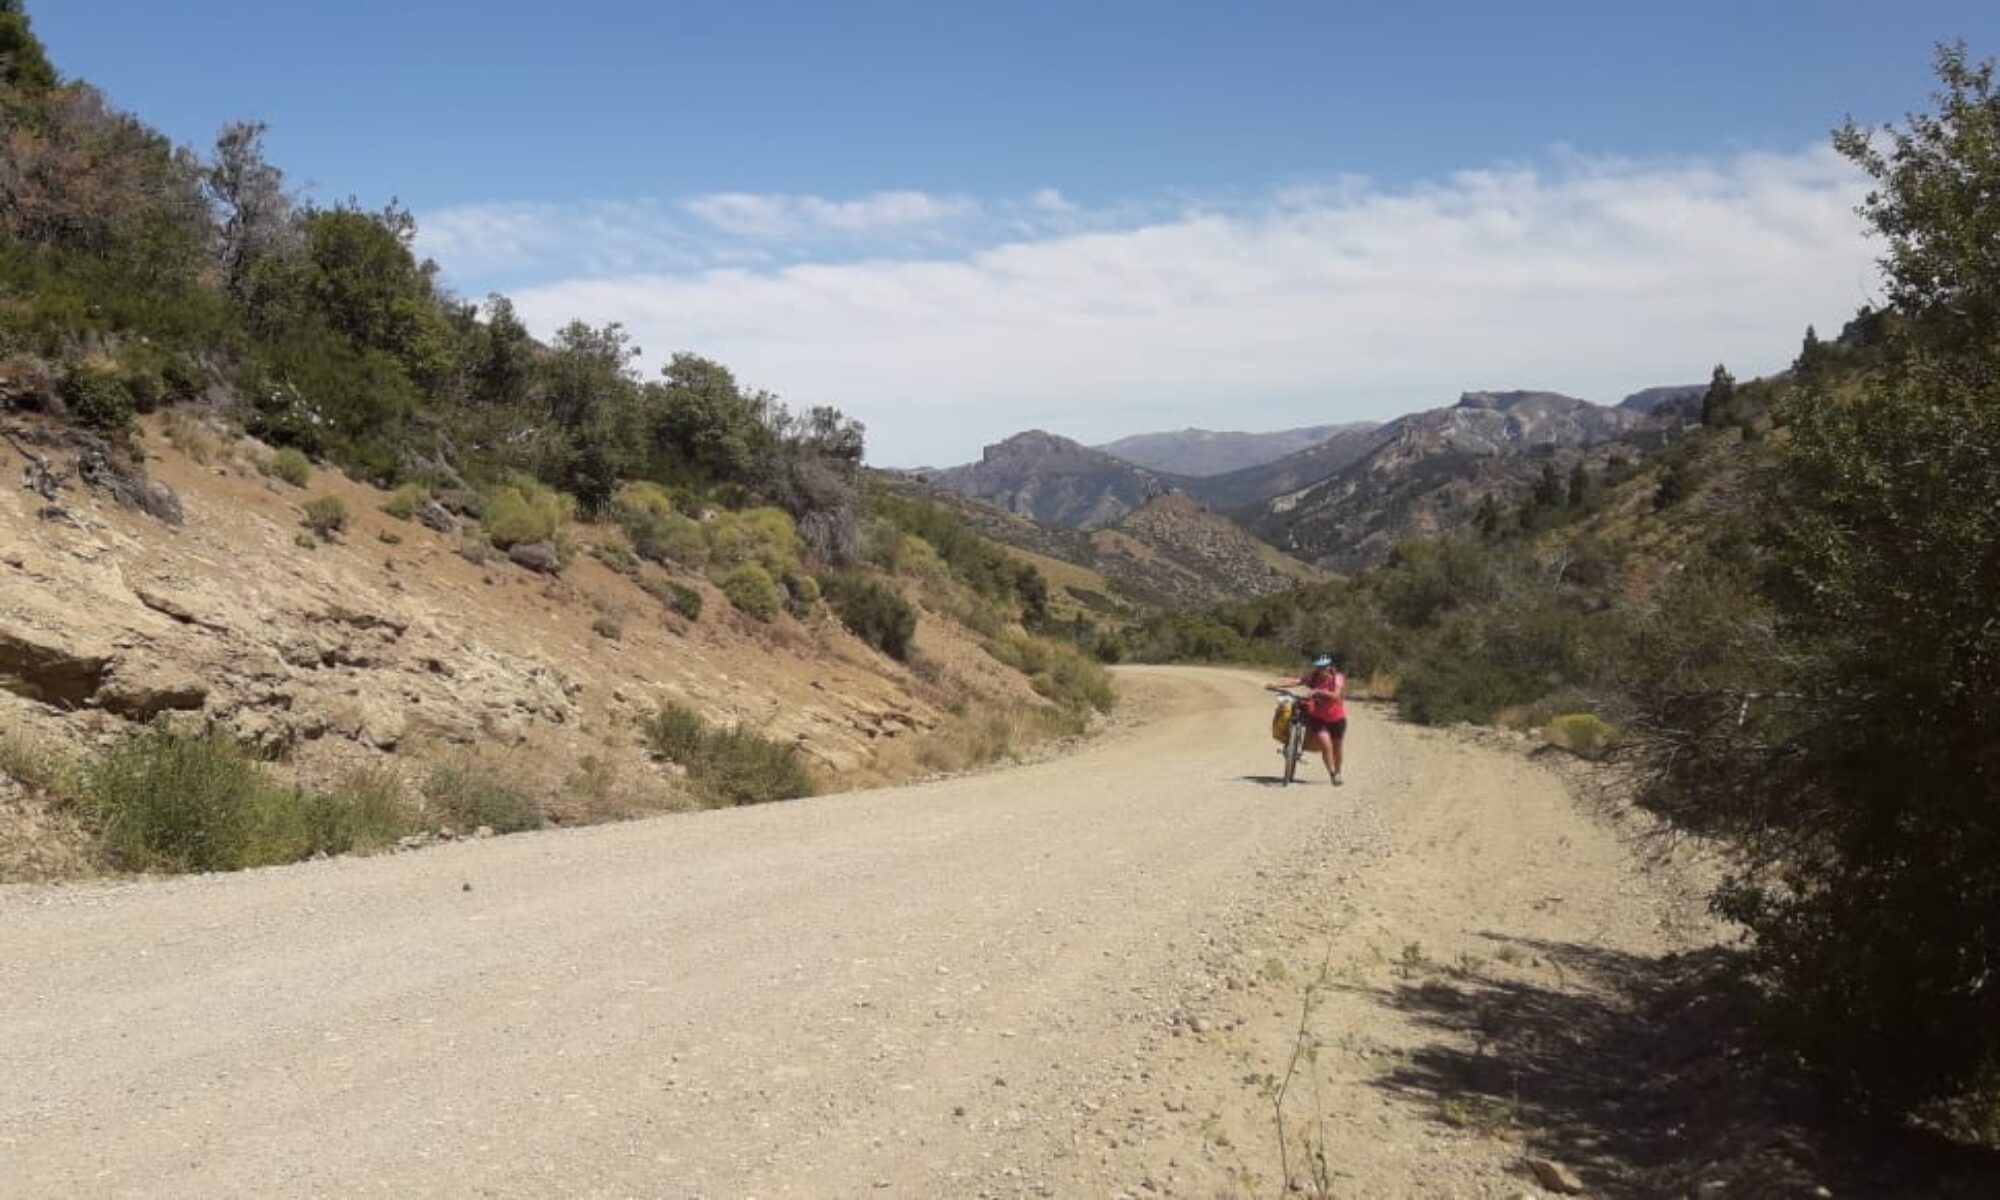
<point>536,556</point>
<point>463,501</point>
<point>46,670</point>
<point>432,515</point>
<point>141,695</point>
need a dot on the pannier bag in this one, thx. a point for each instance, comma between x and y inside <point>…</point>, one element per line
<point>1281,720</point>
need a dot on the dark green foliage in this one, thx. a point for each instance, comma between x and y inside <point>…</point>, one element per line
<point>24,66</point>
<point>174,276</point>
<point>702,423</point>
<point>873,612</point>
<point>1718,403</point>
<point>730,766</point>
<point>1843,727</point>
<point>97,397</point>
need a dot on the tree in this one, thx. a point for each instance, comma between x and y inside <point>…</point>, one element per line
<point>705,425</point>
<point>1861,776</point>
<point>24,64</point>
<point>1718,403</point>
<point>1488,520</point>
<point>1549,489</point>
<point>252,210</point>
<point>1813,358</point>
<point>1934,203</point>
<point>1579,485</point>
<point>504,366</point>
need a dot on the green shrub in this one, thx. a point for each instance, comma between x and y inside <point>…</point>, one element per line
<point>731,766</point>
<point>306,541</point>
<point>174,802</point>
<point>290,465</point>
<point>675,733</point>
<point>326,515</point>
<point>752,590</point>
<point>1448,688</point>
<point>403,503</point>
<point>468,795</point>
<point>875,613</point>
<point>1585,735</point>
<point>762,537</point>
<point>606,627</point>
<point>1057,670</point>
<point>743,767</point>
<point>97,396</point>
<point>660,532</point>
<point>525,511</point>
<point>389,537</point>
<point>363,810</point>
<point>677,597</point>
<point>802,591</point>
<point>615,551</point>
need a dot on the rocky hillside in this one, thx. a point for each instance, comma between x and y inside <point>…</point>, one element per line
<point>1053,480</point>
<point>1173,553</point>
<point>1169,553</point>
<point>1303,468</point>
<point>1663,401</point>
<point>1428,472</point>
<point>1198,453</point>
<point>399,646</point>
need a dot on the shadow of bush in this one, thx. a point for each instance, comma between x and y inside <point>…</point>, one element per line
<point>1645,1075</point>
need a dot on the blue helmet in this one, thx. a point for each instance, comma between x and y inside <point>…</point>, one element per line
<point>1324,660</point>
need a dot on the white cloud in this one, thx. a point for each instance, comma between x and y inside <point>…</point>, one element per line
<point>760,215</point>
<point>1318,303</point>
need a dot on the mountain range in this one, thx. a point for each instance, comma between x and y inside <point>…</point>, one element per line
<point>1339,503</point>
<point>1204,452</point>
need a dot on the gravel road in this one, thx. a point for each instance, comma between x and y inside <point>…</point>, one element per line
<point>944,990</point>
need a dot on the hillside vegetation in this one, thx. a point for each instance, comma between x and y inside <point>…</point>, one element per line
<point>183,336</point>
<point>1787,623</point>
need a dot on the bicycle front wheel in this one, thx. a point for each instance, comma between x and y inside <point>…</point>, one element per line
<point>1295,744</point>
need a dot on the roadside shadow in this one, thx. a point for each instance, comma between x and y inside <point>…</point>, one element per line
<point>1645,1077</point>
<point>1277,781</point>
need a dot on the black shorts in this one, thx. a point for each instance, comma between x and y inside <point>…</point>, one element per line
<point>1337,728</point>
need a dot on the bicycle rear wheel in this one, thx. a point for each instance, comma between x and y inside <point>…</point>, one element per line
<point>1295,744</point>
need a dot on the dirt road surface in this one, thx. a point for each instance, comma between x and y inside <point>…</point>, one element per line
<point>1083,977</point>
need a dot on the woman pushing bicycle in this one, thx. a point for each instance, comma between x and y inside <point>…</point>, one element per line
<point>1325,710</point>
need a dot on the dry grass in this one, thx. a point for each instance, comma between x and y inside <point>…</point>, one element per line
<point>49,772</point>
<point>969,741</point>
<point>600,789</point>
<point>192,436</point>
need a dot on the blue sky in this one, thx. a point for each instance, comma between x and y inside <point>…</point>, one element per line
<point>959,220</point>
